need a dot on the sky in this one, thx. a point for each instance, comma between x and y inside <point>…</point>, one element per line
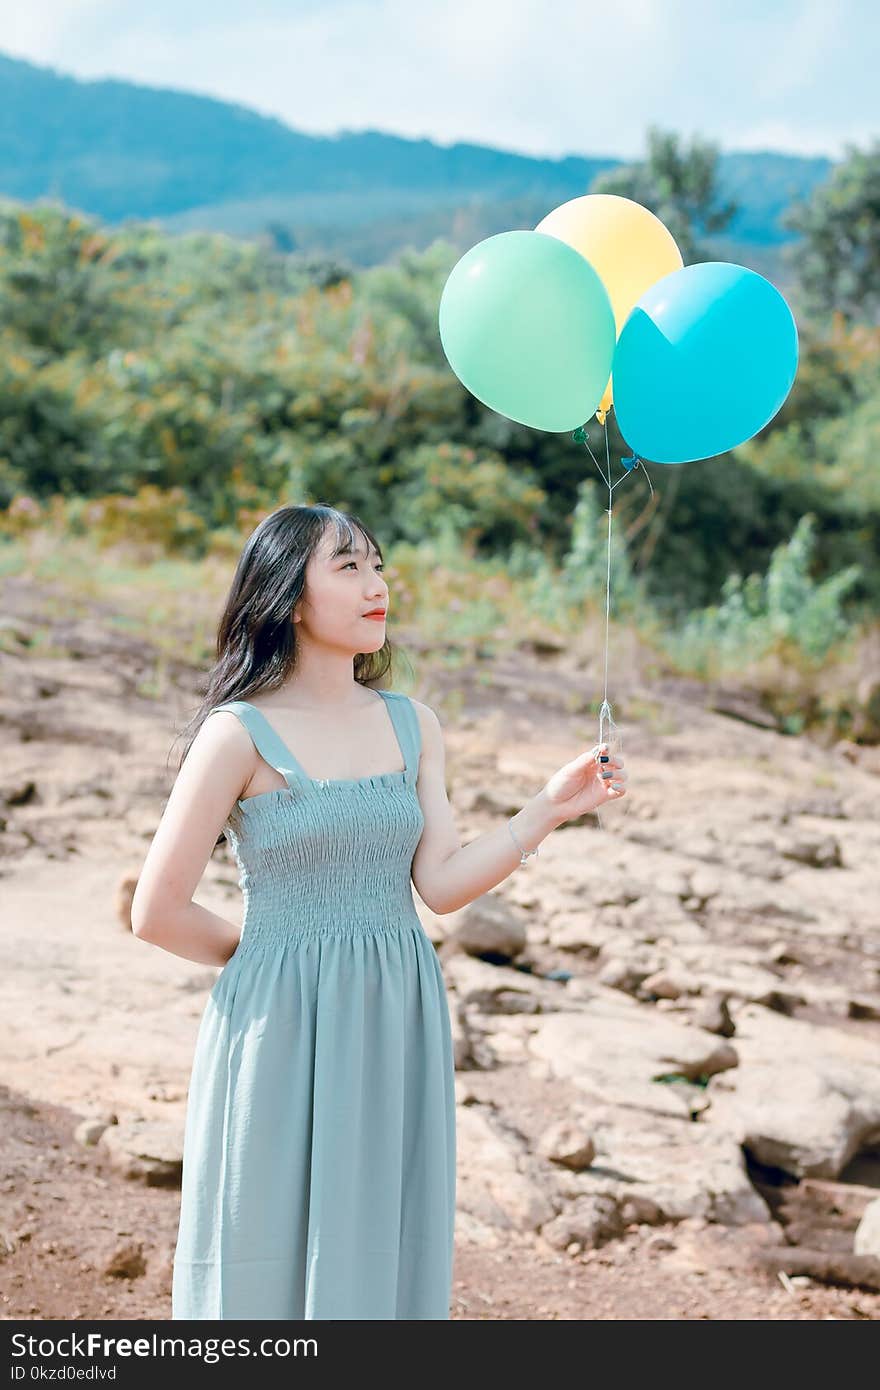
<point>542,77</point>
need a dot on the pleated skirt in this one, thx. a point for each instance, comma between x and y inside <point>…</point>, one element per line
<point>319,1146</point>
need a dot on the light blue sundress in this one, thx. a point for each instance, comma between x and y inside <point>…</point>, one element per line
<point>319,1145</point>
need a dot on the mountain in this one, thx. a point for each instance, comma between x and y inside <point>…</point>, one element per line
<point>117,151</point>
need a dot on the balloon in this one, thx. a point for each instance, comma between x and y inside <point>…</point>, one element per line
<point>627,246</point>
<point>704,361</point>
<point>527,327</point>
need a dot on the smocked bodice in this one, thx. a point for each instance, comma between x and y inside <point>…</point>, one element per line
<point>327,856</point>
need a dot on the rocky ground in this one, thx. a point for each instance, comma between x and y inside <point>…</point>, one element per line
<point>667,1025</point>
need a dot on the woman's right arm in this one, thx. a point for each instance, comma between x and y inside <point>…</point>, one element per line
<point>215,772</point>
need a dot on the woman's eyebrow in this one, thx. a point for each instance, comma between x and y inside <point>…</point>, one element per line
<point>350,551</point>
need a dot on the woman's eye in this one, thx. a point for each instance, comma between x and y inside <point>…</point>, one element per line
<point>380,566</point>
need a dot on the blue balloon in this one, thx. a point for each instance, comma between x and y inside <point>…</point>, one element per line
<point>704,361</point>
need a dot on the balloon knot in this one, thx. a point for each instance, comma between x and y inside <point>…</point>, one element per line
<point>580,435</point>
<point>630,461</point>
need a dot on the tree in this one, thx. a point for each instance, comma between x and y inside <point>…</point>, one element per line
<point>838,258</point>
<point>678,186</point>
<point>60,288</point>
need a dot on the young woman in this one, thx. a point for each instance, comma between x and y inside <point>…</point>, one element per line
<point>319,1148</point>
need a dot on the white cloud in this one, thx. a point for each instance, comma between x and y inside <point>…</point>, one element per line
<point>37,31</point>
<point>562,77</point>
<point>795,139</point>
<point>513,75</point>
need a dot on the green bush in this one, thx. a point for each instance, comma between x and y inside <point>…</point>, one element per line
<point>783,607</point>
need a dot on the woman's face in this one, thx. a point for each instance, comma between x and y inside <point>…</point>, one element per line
<point>340,590</point>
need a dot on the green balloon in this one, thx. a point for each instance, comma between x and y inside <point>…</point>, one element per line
<point>528,328</point>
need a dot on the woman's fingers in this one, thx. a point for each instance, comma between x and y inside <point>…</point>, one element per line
<point>601,755</point>
<point>611,768</point>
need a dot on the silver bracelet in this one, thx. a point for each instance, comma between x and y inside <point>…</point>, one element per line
<point>524,854</point>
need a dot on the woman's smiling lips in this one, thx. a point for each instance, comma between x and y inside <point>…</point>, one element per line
<point>378,615</point>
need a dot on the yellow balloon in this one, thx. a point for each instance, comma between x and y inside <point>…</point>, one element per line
<point>626,244</point>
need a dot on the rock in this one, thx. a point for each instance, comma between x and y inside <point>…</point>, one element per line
<point>461,1039</point>
<point>831,999</point>
<point>640,1209</point>
<point>674,883</point>
<point>484,798</point>
<point>824,805</point>
<point>124,896</point>
<point>615,1050</point>
<point>653,916</point>
<point>859,754</point>
<point>618,1051</point>
<point>826,1267</point>
<point>490,931</point>
<point>507,1039</point>
<point>685,1175</point>
<point>819,851</point>
<point>88,1132</point>
<point>568,1144</point>
<point>783,953</point>
<point>147,1151</point>
<point>867,1237</point>
<point>705,884</point>
<point>538,934</point>
<point>660,1241</point>
<point>589,1222</point>
<point>714,1017</point>
<point>866,725</point>
<point>862,1007</point>
<point>621,974</point>
<point>470,1230</point>
<point>127,1262</point>
<point>805,1098</point>
<point>739,703</point>
<point>14,629</point>
<point>465,1093</point>
<point>483,1055</point>
<point>817,1196</point>
<point>580,932</point>
<point>664,984</point>
<point>490,1185</point>
<point>499,989</point>
<point>19,793</point>
<point>722,970</point>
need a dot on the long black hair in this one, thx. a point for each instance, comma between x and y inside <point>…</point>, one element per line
<point>256,645</point>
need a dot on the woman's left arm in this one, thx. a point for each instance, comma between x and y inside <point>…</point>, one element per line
<point>447,875</point>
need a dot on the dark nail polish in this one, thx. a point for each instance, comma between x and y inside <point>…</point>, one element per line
<point>603,758</point>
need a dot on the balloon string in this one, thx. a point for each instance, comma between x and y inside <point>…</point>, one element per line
<point>607,726</point>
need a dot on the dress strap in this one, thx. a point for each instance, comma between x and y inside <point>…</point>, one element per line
<point>406,725</point>
<point>267,743</point>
